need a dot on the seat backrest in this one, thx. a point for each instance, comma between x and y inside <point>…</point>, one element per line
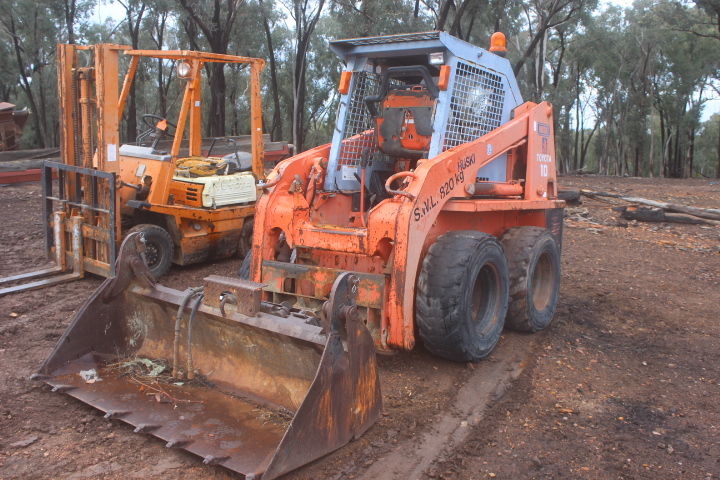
<point>404,124</point>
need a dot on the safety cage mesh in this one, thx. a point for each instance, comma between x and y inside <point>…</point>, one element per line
<point>476,105</point>
<point>359,124</point>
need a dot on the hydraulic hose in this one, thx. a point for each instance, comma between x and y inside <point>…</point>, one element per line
<point>178,322</point>
<point>190,368</point>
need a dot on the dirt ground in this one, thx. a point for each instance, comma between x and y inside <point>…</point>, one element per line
<point>623,384</point>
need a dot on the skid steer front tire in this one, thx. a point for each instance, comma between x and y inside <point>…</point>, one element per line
<point>462,296</point>
<point>534,261</point>
<point>159,250</point>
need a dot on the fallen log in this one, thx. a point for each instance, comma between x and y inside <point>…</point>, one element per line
<point>571,196</point>
<point>707,213</point>
<point>658,215</point>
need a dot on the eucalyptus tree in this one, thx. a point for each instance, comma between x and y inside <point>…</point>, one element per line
<point>72,11</point>
<point>543,18</point>
<point>160,25</point>
<point>213,21</point>
<point>370,18</point>
<point>305,14</point>
<point>706,148</point>
<point>272,26</point>
<point>134,11</point>
<point>31,29</point>
<point>688,64</point>
<point>702,21</point>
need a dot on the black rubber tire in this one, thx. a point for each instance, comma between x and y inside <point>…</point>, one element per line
<point>534,261</point>
<point>159,250</point>
<point>244,272</point>
<point>246,238</point>
<point>462,269</point>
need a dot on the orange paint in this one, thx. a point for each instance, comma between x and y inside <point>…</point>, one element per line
<point>438,196</point>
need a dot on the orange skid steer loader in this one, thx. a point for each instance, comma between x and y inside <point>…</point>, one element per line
<point>438,191</point>
<point>433,210</point>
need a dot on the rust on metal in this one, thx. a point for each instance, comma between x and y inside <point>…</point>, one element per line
<point>271,392</point>
<point>398,231</point>
<point>316,282</point>
<point>247,295</point>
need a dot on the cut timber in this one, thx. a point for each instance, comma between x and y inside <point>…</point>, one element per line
<point>643,214</point>
<point>708,213</point>
<point>570,195</point>
<point>649,214</point>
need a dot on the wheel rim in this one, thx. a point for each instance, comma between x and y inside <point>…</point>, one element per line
<point>542,282</point>
<point>152,254</point>
<point>485,302</point>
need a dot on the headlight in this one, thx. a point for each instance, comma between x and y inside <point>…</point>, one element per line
<point>437,58</point>
<point>183,69</point>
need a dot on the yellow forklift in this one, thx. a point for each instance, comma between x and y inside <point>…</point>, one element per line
<point>192,199</point>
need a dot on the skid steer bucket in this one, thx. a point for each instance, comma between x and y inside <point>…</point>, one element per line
<point>274,388</point>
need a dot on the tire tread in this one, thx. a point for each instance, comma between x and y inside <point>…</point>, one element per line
<point>439,294</point>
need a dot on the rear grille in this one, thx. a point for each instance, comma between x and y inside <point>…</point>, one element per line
<point>476,105</point>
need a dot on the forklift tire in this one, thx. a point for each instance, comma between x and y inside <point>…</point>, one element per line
<point>462,296</point>
<point>534,261</point>
<point>159,252</point>
<point>244,272</point>
<point>246,238</point>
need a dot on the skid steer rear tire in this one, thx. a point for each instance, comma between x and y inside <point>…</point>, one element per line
<point>244,272</point>
<point>534,261</point>
<point>159,251</point>
<point>462,296</point>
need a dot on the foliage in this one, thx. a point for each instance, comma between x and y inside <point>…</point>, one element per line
<point>628,85</point>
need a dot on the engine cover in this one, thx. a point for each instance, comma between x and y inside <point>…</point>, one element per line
<point>221,190</point>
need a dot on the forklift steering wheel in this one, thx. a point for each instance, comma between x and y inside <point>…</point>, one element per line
<point>153,124</point>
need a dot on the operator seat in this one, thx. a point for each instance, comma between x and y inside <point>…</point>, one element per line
<point>403,126</point>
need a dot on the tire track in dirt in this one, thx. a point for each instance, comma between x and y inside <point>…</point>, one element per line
<point>488,383</point>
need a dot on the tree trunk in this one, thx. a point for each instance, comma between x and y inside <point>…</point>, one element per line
<point>651,160</point>
<point>217,99</point>
<point>40,135</point>
<point>455,27</point>
<point>576,152</point>
<point>663,146</point>
<point>444,12</point>
<point>717,175</point>
<point>69,8</point>
<point>217,33</point>
<point>133,19</point>
<point>586,145</point>
<point>276,132</point>
<point>304,29</point>
<point>690,152</point>
<point>676,160</point>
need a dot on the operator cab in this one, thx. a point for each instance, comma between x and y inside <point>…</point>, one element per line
<point>198,181</point>
<point>413,96</point>
<point>403,125</point>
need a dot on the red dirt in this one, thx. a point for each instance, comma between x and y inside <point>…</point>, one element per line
<point>623,384</point>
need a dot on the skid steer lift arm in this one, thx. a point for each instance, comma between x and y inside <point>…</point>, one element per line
<point>273,391</point>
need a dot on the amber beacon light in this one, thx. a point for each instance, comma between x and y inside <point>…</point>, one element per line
<point>498,43</point>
